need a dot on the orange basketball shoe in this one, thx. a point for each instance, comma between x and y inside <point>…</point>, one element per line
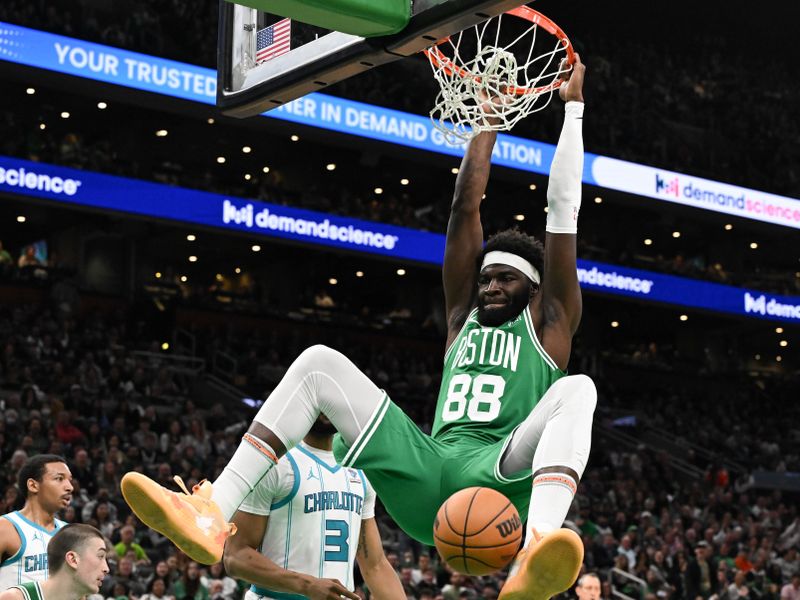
<point>193,521</point>
<point>549,566</point>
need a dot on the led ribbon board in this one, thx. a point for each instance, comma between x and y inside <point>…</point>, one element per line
<point>180,205</point>
<point>190,82</point>
<point>154,200</point>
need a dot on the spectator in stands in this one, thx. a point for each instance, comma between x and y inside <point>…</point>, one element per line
<point>40,442</point>
<point>6,261</point>
<point>788,563</point>
<point>108,477</point>
<point>127,544</point>
<point>189,586</point>
<point>164,386</point>
<point>220,585</point>
<point>452,590</point>
<point>172,438</point>
<point>322,299</point>
<point>28,258</point>
<point>157,590</point>
<point>162,571</point>
<point>66,432</point>
<point>143,431</point>
<point>149,452</point>
<point>81,468</point>
<point>588,587</point>
<point>102,519</point>
<point>423,565</point>
<point>124,576</point>
<point>197,437</point>
<point>791,591</point>
<point>626,549</point>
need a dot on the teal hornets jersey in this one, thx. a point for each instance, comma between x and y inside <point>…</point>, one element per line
<point>30,561</point>
<point>492,379</point>
<point>315,509</point>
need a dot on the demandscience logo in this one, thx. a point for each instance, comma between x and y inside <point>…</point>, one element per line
<point>691,191</point>
<point>41,182</point>
<point>321,229</point>
<point>771,307</point>
<point>614,280</point>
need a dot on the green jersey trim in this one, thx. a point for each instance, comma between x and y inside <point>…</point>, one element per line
<point>31,590</point>
<point>536,343</point>
<point>366,433</point>
<point>470,316</point>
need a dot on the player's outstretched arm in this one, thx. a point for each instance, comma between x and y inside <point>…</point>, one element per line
<point>243,560</point>
<point>12,594</point>
<point>561,294</point>
<point>464,231</point>
<point>381,578</point>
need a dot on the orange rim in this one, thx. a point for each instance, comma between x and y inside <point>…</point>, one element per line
<point>439,59</point>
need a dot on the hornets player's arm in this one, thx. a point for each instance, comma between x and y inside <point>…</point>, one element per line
<point>465,233</point>
<point>381,578</point>
<point>243,561</point>
<point>558,308</point>
<point>9,540</point>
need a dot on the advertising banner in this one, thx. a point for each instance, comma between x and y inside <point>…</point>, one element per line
<point>265,219</point>
<point>198,84</point>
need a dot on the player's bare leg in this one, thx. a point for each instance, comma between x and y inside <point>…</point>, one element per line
<point>321,380</point>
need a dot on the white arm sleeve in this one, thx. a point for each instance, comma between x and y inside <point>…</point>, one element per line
<point>566,173</point>
<point>368,510</point>
<point>275,485</point>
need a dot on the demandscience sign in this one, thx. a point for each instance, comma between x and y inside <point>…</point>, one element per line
<point>147,199</point>
<point>189,82</point>
<point>152,200</point>
<point>681,291</point>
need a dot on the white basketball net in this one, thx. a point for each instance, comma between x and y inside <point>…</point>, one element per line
<point>473,67</point>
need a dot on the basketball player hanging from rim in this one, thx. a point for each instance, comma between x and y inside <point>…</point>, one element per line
<point>507,416</point>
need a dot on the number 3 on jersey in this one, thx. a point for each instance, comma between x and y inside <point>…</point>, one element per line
<point>478,397</point>
<point>336,534</point>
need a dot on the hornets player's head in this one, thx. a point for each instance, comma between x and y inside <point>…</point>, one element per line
<point>76,555</point>
<point>509,270</point>
<point>45,480</point>
<point>323,426</point>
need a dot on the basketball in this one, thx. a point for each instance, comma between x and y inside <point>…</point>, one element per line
<point>477,531</point>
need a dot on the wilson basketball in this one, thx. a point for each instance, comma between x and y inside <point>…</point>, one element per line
<point>477,531</point>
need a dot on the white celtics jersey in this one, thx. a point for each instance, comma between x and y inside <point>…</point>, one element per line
<point>30,561</point>
<point>315,509</point>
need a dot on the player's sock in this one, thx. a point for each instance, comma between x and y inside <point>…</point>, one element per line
<point>252,460</point>
<point>565,442</point>
<point>550,501</point>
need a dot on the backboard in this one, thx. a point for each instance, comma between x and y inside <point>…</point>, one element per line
<point>264,60</point>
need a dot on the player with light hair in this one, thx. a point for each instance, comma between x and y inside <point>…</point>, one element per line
<point>77,559</point>
<point>507,416</point>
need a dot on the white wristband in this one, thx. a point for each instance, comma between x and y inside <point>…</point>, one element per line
<point>566,172</point>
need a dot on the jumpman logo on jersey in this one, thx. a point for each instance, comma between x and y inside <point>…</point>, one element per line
<point>311,474</point>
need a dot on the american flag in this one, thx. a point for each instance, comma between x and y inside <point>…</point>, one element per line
<point>273,41</point>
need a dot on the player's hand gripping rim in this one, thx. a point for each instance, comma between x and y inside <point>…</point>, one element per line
<point>572,88</point>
